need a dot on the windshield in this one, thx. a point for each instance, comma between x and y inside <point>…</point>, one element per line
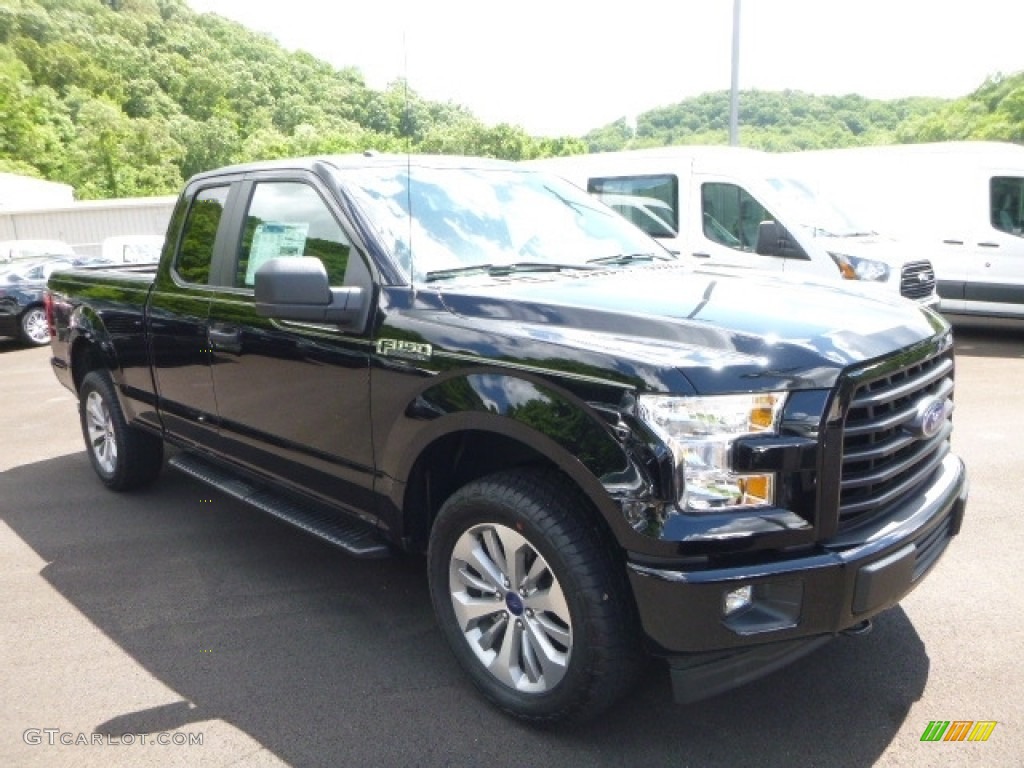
<point>815,212</point>
<point>471,221</point>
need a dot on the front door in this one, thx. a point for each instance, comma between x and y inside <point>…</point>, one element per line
<point>292,398</point>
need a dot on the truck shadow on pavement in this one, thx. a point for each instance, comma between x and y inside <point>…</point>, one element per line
<point>328,660</point>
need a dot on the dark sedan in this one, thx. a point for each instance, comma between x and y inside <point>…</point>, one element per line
<point>21,298</point>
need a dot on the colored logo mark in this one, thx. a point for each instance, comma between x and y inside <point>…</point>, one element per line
<point>958,730</point>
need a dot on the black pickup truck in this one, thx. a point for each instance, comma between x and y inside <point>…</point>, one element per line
<point>602,453</point>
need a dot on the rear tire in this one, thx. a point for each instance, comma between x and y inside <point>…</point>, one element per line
<point>532,599</point>
<point>124,457</point>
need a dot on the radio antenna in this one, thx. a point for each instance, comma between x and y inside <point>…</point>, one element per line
<point>407,130</point>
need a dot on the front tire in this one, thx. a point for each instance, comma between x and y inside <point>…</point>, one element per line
<point>531,598</point>
<point>124,457</point>
<point>34,329</point>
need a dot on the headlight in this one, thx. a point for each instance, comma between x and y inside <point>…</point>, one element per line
<point>856,268</point>
<point>700,431</point>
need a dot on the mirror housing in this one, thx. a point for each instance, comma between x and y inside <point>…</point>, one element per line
<point>773,239</point>
<point>298,289</point>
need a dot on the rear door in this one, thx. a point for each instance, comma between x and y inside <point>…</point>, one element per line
<point>293,399</point>
<point>177,317</point>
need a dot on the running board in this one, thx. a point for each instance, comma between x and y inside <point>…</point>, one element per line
<point>356,538</point>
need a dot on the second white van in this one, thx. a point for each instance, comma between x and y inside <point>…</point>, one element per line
<point>962,200</point>
<point>737,207</point>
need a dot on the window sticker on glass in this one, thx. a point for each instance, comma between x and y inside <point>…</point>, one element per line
<point>273,240</point>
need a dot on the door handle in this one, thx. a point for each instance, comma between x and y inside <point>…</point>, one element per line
<point>702,255</point>
<point>953,242</point>
<point>988,245</point>
<point>225,339</point>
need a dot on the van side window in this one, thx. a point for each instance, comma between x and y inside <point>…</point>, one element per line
<point>1007,204</point>
<point>650,202</point>
<point>289,218</point>
<point>731,215</point>
<point>192,262</point>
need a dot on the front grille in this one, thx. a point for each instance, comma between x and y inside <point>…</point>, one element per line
<point>917,280</point>
<point>885,456</point>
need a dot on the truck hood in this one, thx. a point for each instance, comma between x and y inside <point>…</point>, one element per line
<point>674,329</point>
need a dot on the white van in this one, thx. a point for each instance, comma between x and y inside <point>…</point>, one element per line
<point>16,250</point>
<point>132,249</point>
<point>737,207</point>
<point>964,201</point>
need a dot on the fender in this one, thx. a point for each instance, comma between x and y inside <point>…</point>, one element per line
<point>552,421</point>
<point>86,328</point>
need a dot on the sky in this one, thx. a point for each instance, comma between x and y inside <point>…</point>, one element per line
<point>565,67</point>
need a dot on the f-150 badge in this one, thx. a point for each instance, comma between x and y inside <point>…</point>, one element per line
<point>409,350</point>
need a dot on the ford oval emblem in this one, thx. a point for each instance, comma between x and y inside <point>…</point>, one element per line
<point>929,415</point>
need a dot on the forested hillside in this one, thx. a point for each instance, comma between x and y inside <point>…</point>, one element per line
<point>791,120</point>
<point>129,97</point>
<point>780,121</point>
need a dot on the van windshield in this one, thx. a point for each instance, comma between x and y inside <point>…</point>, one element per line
<point>462,222</point>
<point>815,213</point>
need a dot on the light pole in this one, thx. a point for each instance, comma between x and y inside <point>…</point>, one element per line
<point>734,92</point>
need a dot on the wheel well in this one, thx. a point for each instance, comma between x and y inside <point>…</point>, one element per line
<point>454,460</point>
<point>84,358</point>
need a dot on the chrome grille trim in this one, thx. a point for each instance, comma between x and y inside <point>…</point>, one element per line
<point>917,279</point>
<point>882,460</point>
<point>896,418</point>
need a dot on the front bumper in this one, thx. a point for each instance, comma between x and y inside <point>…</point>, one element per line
<point>803,598</point>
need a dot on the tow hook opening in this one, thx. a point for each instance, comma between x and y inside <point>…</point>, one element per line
<point>860,629</point>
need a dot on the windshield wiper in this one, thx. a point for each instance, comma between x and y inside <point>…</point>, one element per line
<point>627,258</point>
<point>499,270</point>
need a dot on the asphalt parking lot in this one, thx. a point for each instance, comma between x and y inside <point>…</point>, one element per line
<point>178,627</point>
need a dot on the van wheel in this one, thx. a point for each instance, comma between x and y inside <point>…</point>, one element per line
<point>531,599</point>
<point>123,456</point>
<point>34,329</point>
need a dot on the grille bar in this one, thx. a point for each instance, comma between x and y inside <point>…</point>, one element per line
<point>897,418</point>
<point>917,280</point>
<point>911,386</point>
<point>892,447</point>
<point>885,457</point>
<point>896,491</point>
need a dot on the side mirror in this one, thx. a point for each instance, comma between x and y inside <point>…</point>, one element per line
<point>298,289</point>
<point>773,239</point>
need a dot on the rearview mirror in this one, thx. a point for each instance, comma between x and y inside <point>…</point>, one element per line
<point>298,289</point>
<point>773,239</point>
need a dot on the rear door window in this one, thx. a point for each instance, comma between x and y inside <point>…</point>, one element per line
<point>650,202</point>
<point>194,257</point>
